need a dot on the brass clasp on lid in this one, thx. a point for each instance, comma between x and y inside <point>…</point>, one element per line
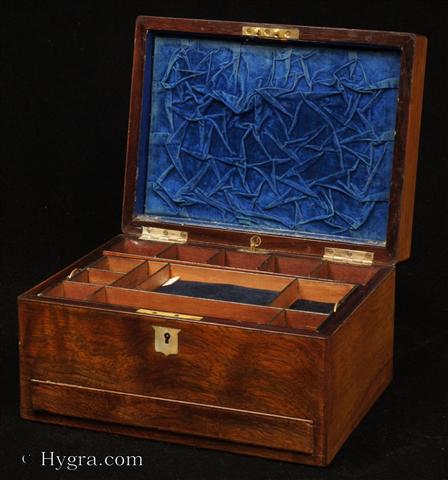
<point>268,32</point>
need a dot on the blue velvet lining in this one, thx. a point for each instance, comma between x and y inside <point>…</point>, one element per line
<point>293,139</point>
<point>220,291</point>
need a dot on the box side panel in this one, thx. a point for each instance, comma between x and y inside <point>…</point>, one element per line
<point>406,210</point>
<point>24,374</point>
<point>359,363</point>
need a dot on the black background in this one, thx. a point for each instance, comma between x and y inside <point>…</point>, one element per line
<point>66,79</point>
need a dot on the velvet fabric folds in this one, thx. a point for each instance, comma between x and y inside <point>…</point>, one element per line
<point>220,291</point>
<point>283,138</point>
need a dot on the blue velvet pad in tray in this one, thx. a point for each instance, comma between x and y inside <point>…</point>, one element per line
<point>285,138</point>
<point>312,306</point>
<point>220,291</point>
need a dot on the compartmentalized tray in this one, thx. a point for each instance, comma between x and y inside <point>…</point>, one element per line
<point>222,283</point>
<point>296,265</point>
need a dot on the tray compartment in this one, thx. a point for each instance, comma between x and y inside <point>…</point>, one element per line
<point>137,247</point>
<point>139,274</point>
<point>313,306</point>
<point>299,266</point>
<point>217,284</point>
<point>97,276</point>
<point>303,320</point>
<point>345,273</point>
<point>72,290</point>
<point>189,253</point>
<point>140,299</point>
<point>116,263</point>
<point>244,260</point>
<point>219,291</point>
<point>317,296</point>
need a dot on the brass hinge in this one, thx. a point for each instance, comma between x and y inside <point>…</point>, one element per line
<point>163,235</point>
<point>259,31</point>
<point>343,255</point>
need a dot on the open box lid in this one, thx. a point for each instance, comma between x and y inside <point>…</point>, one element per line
<point>287,138</point>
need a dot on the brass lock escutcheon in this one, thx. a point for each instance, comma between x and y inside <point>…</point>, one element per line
<point>166,340</point>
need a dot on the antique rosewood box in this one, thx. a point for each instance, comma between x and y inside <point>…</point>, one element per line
<point>248,304</point>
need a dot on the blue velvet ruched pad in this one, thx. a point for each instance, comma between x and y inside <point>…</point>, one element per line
<point>281,138</point>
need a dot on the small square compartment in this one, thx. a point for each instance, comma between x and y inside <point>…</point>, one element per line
<point>345,273</point>
<point>72,290</point>
<point>245,260</point>
<point>139,247</point>
<point>319,297</point>
<point>97,276</point>
<point>189,253</point>
<point>295,265</point>
<point>140,274</point>
<point>116,263</point>
<point>301,319</point>
<point>313,306</point>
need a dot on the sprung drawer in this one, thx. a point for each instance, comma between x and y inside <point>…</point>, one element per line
<point>252,428</point>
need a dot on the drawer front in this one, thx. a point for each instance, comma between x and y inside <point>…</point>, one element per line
<point>250,428</point>
<point>216,365</point>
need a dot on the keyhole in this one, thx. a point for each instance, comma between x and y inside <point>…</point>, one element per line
<point>167,337</point>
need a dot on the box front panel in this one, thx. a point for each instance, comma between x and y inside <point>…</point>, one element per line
<point>221,376</point>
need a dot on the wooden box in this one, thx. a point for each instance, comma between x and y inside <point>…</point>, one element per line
<point>248,305</point>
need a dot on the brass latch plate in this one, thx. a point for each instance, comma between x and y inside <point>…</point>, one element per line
<point>344,255</point>
<point>163,235</point>
<point>181,316</point>
<point>258,31</point>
